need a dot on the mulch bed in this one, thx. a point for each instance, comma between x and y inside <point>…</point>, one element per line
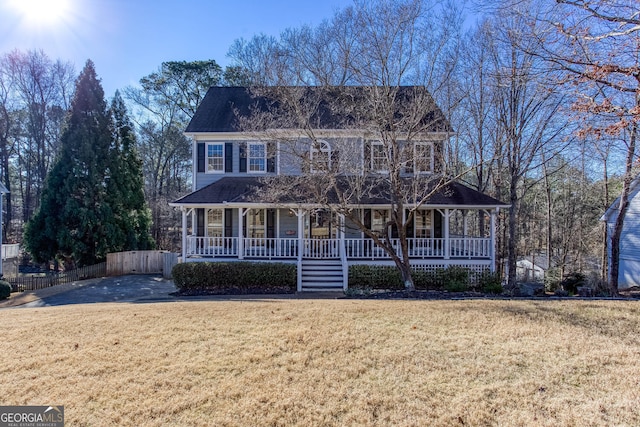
<point>232,291</point>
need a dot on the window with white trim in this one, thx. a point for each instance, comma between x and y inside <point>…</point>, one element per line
<point>423,157</point>
<point>422,224</point>
<point>378,158</point>
<point>215,158</point>
<point>257,157</point>
<point>379,220</point>
<point>256,224</point>
<point>215,222</point>
<point>320,157</point>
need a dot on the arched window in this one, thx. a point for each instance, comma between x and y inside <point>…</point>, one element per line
<point>320,156</point>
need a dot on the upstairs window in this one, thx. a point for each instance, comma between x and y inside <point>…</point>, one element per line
<point>320,157</point>
<point>215,158</point>
<point>378,158</point>
<point>257,157</point>
<point>423,157</point>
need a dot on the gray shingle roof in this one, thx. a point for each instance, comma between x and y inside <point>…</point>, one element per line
<point>249,190</point>
<point>341,108</point>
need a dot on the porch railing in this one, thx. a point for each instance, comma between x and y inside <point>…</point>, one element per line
<point>269,248</point>
<point>321,248</point>
<point>213,246</point>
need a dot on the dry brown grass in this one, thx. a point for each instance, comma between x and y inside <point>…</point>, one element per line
<point>328,362</point>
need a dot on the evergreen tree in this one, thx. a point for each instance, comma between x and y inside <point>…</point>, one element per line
<point>90,205</point>
<point>125,186</point>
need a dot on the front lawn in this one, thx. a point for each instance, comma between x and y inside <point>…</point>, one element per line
<point>328,362</point>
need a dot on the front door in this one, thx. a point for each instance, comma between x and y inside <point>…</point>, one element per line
<point>321,234</point>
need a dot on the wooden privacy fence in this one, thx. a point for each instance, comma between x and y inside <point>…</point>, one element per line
<point>31,283</point>
<point>139,262</point>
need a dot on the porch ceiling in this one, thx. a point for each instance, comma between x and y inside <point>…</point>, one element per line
<point>252,190</point>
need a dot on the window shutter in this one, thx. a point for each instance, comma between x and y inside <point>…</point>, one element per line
<point>335,160</point>
<point>271,223</point>
<point>244,226</point>
<point>228,223</point>
<point>201,157</point>
<point>411,226</point>
<point>437,224</point>
<point>228,157</point>
<point>438,157</point>
<point>367,218</point>
<point>271,157</point>
<point>243,157</point>
<point>200,222</point>
<point>367,156</point>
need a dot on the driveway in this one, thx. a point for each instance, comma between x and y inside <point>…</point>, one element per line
<point>132,288</point>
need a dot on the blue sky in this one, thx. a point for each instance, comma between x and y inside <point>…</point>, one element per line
<point>129,39</point>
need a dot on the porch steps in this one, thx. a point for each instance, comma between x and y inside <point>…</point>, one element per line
<point>322,275</point>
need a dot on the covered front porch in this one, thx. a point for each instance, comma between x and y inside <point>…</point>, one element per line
<point>281,233</point>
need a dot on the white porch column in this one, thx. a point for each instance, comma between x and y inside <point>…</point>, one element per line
<point>341,231</point>
<point>445,233</point>
<point>240,233</point>
<point>492,231</point>
<point>184,234</point>
<point>300,215</point>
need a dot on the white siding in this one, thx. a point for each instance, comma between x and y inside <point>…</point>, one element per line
<point>629,273</point>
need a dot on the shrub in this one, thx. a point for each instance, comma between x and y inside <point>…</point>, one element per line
<point>552,279</point>
<point>490,282</point>
<point>368,277</point>
<point>235,277</point>
<point>5,289</point>
<point>455,278</point>
<point>427,280</point>
<point>571,282</point>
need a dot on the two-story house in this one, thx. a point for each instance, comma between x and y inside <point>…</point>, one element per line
<point>264,192</point>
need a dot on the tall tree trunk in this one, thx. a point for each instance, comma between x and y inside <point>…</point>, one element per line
<point>605,232</point>
<point>549,228</point>
<point>513,231</point>
<point>622,210</point>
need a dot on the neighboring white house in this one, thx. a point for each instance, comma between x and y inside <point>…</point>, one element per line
<point>230,218</point>
<point>531,270</point>
<point>629,269</point>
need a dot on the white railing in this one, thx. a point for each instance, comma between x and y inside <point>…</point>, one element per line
<point>470,247</point>
<point>426,248</point>
<point>321,248</point>
<point>270,248</point>
<point>463,247</point>
<point>459,247</point>
<point>212,246</point>
<point>252,247</point>
<point>367,249</point>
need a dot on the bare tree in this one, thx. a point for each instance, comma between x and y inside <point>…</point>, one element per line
<point>7,150</point>
<point>596,46</point>
<point>378,48</point>
<point>42,89</point>
<point>164,103</point>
